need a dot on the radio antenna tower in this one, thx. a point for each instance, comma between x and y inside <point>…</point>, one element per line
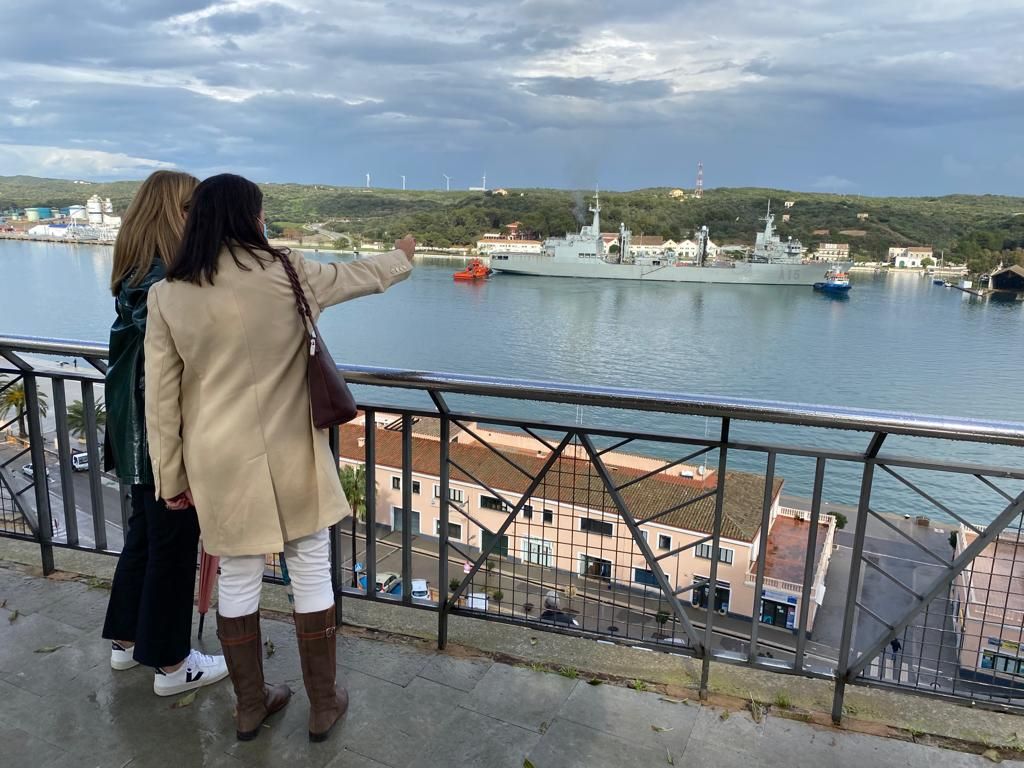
<point>699,191</point>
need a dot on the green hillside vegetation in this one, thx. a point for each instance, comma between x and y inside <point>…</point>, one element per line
<point>983,229</point>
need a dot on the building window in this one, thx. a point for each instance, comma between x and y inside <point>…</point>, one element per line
<point>549,516</point>
<point>600,527</point>
<point>643,534</point>
<point>396,483</point>
<point>645,577</point>
<point>415,486</point>
<point>595,567</point>
<point>704,551</point>
<point>999,663</point>
<point>500,549</point>
<point>396,520</point>
<point>527,512</point>
<point>664,542</point>
<point>455,494</point>
<point>454,530</point>
<point>489,502</point>
<point>538,552</point>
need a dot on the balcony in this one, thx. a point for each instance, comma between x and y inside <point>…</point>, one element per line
<point>633,519</point>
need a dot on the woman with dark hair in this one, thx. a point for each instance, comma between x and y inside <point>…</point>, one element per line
<point>149,617</point>
<point>228,409</point>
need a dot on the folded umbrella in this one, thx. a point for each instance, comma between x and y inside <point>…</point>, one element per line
<point>208,565</point>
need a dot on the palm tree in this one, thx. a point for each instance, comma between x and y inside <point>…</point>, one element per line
<point>13,399</point>
<point>353,483</point>
<point>76,417</point>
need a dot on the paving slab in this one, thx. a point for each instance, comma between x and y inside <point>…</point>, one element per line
<point>411,707</point>
<point>520,696</point>
<point>569,743</point>
<point>646,719</point>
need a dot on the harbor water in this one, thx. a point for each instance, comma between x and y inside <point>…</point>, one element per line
<point>896,342</point>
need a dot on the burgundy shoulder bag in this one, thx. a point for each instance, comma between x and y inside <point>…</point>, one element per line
<point>330,401</point>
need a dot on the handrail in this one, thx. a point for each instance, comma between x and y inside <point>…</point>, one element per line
<point>743,409</point>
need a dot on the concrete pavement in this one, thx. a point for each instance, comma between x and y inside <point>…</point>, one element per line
<point>61,706</point>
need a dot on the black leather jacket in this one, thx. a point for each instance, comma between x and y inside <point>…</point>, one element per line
<point>126,444</point>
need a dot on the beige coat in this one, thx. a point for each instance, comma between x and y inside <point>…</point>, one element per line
<point>227,404</point>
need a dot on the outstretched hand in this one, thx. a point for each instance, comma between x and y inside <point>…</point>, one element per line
<point>407,245</point>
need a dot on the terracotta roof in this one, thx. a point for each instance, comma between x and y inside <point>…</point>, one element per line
<point>572,481</point>
<point>787,549</point>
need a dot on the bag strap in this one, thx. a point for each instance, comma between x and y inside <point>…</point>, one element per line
<point>301,303</point>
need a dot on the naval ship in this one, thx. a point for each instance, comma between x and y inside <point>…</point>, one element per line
<point>774,261</point>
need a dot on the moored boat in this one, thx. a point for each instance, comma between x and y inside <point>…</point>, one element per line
<point>475,270</point>
<point>834,282</point>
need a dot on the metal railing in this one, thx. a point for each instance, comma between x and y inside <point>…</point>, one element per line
<point>542,518</point>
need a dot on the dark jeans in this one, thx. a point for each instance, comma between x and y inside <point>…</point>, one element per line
<point>152,595</point>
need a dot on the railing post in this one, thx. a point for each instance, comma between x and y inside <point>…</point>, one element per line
<point>808,578</point>
<point>370,495</point>
<point>860,531</point>
<point>442,538</point>
<point>334,536</point>
<point>337,576</point>
<point>67,479</point>
<point>40,480</point>
<point>762,549</point>
<point>99,519</point>
<point>716,540</point>
<point>407,508</point>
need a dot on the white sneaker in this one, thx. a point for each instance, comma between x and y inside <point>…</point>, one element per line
<point>197,671</point>
<point>121,657</point>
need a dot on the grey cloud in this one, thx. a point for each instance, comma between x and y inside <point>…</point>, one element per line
<point>592,88</point>
<point>535,92</point>
<point>235,23</point>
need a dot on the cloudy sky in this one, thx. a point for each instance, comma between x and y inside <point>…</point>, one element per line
<point>869,97</point>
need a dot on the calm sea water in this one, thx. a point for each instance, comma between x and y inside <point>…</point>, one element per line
<point>896,342</point>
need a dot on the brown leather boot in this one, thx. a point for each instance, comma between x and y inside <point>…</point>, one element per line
<point>318,653</point>
<point>242,644</point>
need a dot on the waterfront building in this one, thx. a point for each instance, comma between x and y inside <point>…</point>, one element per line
<point>836,251</point>
<point>570,526</point>
<point>988,605</point>
<point>511,240</point>
<point>909,257</point>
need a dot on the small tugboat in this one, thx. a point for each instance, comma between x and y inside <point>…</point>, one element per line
<point>938,281</point>
<point>475,270</point>
<point>834,282</point>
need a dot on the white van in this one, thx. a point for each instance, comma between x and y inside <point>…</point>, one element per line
<point>80,462</point>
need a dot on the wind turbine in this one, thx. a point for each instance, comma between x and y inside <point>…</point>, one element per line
<point>447,182</point>
<point>403,183</point>
<point>367,181</point>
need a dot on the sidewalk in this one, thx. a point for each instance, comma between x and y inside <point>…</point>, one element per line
<point>61,706</point>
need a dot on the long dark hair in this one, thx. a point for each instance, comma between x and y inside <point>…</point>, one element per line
<point>224,213</point>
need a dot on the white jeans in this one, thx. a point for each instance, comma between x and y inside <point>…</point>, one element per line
<point>309,567</point>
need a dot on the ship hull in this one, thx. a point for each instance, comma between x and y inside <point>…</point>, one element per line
<point>743,273</point>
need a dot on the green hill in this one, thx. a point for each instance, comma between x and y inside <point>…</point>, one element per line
<point>975,226</point>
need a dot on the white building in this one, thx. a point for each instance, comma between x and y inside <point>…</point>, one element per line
<point>686,250</point>
<point>492,242</point>
<point>910,257</point>
<point>833,251</point>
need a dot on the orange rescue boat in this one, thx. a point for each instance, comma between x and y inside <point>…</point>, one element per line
<point>475,270</point>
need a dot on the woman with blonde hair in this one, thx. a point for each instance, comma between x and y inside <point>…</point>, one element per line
<point>149,617</point>
<point>228,408</point>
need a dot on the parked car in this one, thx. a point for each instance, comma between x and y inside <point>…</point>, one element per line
<point>420,589</point>
<point>388,577</point>
<point>80,462</point>
<point>559,617</point>
<point>28,471</point>
<point>388,581</point>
